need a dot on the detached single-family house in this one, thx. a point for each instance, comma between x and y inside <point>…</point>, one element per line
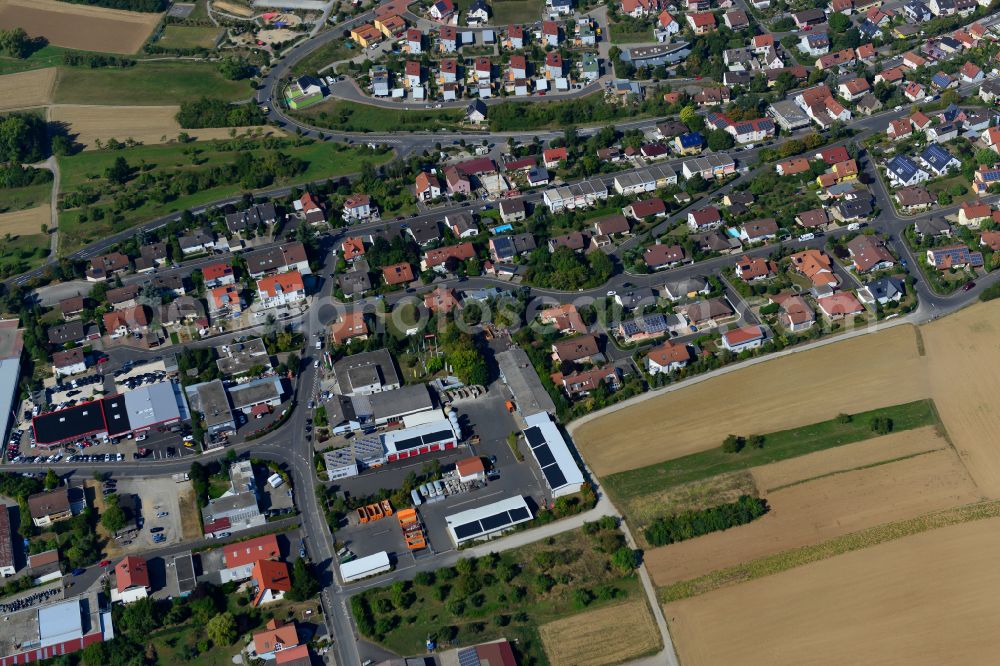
<point>743,339</point>
<point>667,357</point>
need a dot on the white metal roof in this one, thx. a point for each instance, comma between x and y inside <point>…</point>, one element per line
<point>552,453</point>
<point>364,565</point>
<point>60,622</point>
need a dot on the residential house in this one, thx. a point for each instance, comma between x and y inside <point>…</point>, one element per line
<point>218,274</point>
<point>131,580</point>
<point>119,323</point>
<point>736,20</point>
<point>151,257</point>
<point>792,166</point>
<point>350,326</point>
<point>704,218</point>
<point>973,214</point>
<point>224,300</point>
<point>441,10</point>
<point>276,638</point>
<point>900,128</point>
<point>352,248</point>
<point>812,219</point>
<point>581,349</point>
<point>817,266</point>
<point>854,89</point>
<point>107,265</point>
<point>902,171</point>
<point>582,382</point>
<point>868,104</point>
<point>938,160</point>
<point>123,297</point>
<point>882,291</point>
<point>281,290</point>
<point>574,240</point>
<point>271,580</point>
<point>754,269</point>
<point>759,230</point>
<point>839,305</point>
<point>285,257</point>
<point>647,208</point>
<point>507,248</point>
<point>708,313</point>
<point>441,301</point>
<point>667,357</point>
<point>565,318</point>
<point>197,242</point>
<point>745,338</point>
<point>427,186</point>
<point>954,256</point>
<point>869,253</point>
<point>50,507</point>
<point>794,313</point>
<point>462,224</point>
<point>457,182</point>
<point>914,198</point>
<point>440,258</point>
<point>930,228</point>
<point>69,362</point>
<point>358,207</point>
<point>398,274</point>
<point>550,34</point>
<point>659,256</point>
<point>701,23</point>
<point>553,156</point>
<point>424,232</point>
<point>914,92</point>
<point>72,307</point>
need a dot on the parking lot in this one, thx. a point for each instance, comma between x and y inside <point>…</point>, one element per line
<point>159,510</point>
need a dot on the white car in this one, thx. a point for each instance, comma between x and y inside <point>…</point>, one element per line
<point>612,293</point>
<point>315,364</point>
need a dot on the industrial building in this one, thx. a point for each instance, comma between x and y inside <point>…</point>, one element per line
<point>11,344</point>
<point>135,411</point>
<point>550,449</point>
<point>7,567</point>
<point>519,375</point>
<point>55,629</point>
<point>212,402</point>
<point>488,521</point>
<point>363,567</point>
<point>366,373</point>
<point>239,358</point>
<point>438,435</point>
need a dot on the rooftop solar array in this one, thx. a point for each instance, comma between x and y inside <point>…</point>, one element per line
<point>476,523</point>
<point>553,455</point>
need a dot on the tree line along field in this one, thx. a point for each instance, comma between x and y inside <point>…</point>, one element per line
<point>511,595</point>
<point>92,206</point>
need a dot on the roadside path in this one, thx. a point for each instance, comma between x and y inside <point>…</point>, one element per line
<point>52,164</point>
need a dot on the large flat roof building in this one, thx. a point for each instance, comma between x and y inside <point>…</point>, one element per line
<point>520,377</point>
<point>487,521</point>
<point>550,449</point>
<point>366,373</point>
<point>36,634</point>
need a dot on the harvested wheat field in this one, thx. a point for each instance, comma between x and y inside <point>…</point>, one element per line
<point>931,598</point>
<point>817,511</point>
<point>148,124</point>
<point>27,89</point>
<point>79,26</point>
<point>25,222</point>
<point>608,635</point>
<point>768,478</point>
<point>861,373</point>
<point>232,8</point>
<point>963,352</point>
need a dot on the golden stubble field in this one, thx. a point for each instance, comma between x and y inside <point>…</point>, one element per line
<point>25,222</point>
<point>148,124</point>
<point>27,89</point>
<point>862,373</point>
<point>963,354</point>
<point>79,26</point>
<point>928,599</point>
<point>816,511</point>
<point>601,637</point>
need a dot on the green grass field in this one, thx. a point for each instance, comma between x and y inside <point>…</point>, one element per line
<point>780,445</point>
<point>188,37</point>
<point>23,253</point>
<point>353,117</point>
<point>149,83</point>
<point>87,170</point>
<point>331,52</point>
<point>48,56</point>
<point>516,11</point>
<point>20,198</point>
<point>620,34</point>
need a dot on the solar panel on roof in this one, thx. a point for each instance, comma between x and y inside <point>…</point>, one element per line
<point>544,455</point>
<point>467,530</point>
<point>408,443</point>
<point>554,476</point>
<point>495,521</point>
<point>520,513</point>
<point>468,657</point>
<point>438,436</point>
<point>534,436</point>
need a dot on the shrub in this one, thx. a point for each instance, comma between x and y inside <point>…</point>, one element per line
<point>690,524</point>
<point>881,425</point>
<point>843,418</point>
<point>755,441</point>
<point>733,444</point>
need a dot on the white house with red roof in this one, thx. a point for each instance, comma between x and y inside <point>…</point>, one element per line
<point>281,290</point>
<point>744,338</point>
<point>131,580</point>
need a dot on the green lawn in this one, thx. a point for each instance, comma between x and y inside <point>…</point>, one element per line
<point>516,11</point>
<point>338,49</point>
<point>188,37</point>
<point>353,117</point>
<point>23,253</point>
<point>48,56</point>
<point>148,83</point>
<point>620,34</point>
<point>780,445</point>
<point>20,198</point>
<point>510,596</point>
<point>87,169</point>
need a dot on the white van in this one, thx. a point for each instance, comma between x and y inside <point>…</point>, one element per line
<point>807,237</point>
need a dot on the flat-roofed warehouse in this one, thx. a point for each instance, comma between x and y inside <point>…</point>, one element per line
<point>69,424</point>
<point>550,449</point>
<point>394,405</point>
<point>211,400</point>
<point>438,435</point>
<point>519,375</point>
<point>488,521</point>
<point>366,373</point>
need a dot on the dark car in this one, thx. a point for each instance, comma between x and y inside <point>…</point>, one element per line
<point>156,530</point>
<point>79,571</point>
<point>968,285</point>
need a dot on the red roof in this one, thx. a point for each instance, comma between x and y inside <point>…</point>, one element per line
<point>353,247</point>
<point>554,155</point>
<point>298,655</point>
<point>834,155</point>
<point>398,273</point>
<point>742,335</point>
<point>216,271</point>
<point>438,256</point>
<point>131,572</point>
<point>272,575</point>
<point>469,466</point>
<point>283,283</point>
<point>646,207</point>
<point>246,552</point>
<point>351,325</point>
<point>702,19</point>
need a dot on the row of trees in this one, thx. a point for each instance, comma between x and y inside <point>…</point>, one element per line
<point>690,524</point>
<point>130,5</point>
<point>207,112</point>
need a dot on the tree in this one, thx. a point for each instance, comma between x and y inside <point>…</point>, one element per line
<point>234,68</point>
<point>15,43</point>
<point>881,425</point>
<point>720,140</point>
<point>51,480</point>
<point>119,172</point>
<point>625,560</point>
<point>113,519</point>
<point>838,23</point>
<point>733,444</point>
<point>222,629</point>
<point>689,116</point>
<point>139,619</point>
<point>304,585</point>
